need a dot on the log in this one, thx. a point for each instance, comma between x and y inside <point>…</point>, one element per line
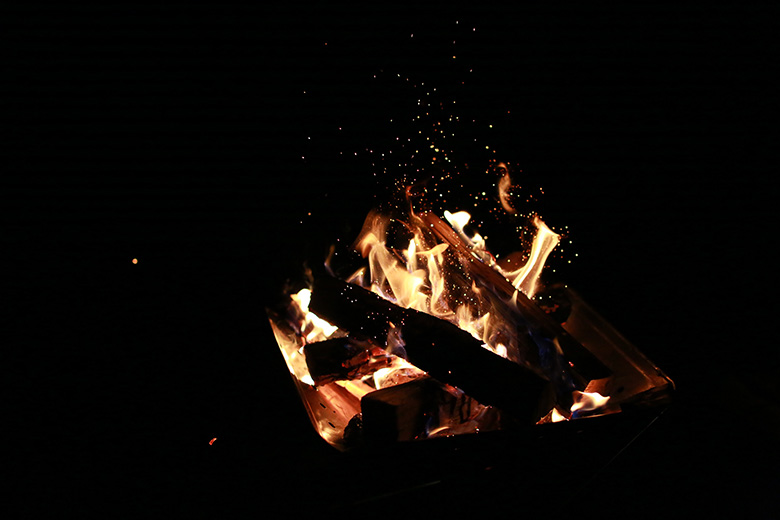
<point>438,347</point>
<point>343,359</point>
<point>538,323</point>
<point>401,412</point>
<point>418,409</point>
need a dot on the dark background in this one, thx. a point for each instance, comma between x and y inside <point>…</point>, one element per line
<point>179,135</point>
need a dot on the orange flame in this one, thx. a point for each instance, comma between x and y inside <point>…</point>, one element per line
<point>417,278</point>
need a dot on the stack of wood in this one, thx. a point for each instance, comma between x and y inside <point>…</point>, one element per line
<point>517,391</point>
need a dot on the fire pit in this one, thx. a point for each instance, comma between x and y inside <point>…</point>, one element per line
<point>419,331</point>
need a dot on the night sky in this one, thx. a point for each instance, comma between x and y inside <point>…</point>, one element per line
<point>221,146</point>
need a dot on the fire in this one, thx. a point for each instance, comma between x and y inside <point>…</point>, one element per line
<point>587,401</point>
<point>311,328</point>
<point>458,221</point>
<point>398,372</point>
<point>314,327</point>
<point>291,346</point>
<point>526,279</point>
<point>419,276</point>
<point>417,262</point>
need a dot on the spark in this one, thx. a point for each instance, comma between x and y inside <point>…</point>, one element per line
<point>135,260</point>
<point>211,442</point>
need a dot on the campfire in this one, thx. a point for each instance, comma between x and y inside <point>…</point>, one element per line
<point>419,331</point>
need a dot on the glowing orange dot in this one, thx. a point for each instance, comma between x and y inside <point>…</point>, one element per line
<point>212,441</point>
<point>135,260</point>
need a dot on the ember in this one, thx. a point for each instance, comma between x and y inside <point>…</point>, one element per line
<point>431,335</point>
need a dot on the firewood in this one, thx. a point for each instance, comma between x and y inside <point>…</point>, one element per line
<point>438,347</point>
<point>419,409</point>
<point>342,359</point>
<point>538,323</point>
<point>401,412</point>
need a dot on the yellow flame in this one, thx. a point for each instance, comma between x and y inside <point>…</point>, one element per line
<point>587,401</point>
<point>291,343</point>
<point>526,278</point>
<point>315,328</point>
<point>555,416</point>
<point>416,285</point>
<point>416,278</point>
<point>458,221</point>
<point>399,371</point>
<point>291,346</point>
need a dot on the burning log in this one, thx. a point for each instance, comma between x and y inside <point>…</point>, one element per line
<point>539,323</point>
<point>438,347</point>
<point>401,412</point>
<point>481,354</point>
<point>420,409</point>
<point>343,359</point>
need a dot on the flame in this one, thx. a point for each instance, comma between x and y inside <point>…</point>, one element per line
<point>417,278</point>
<point>587,401</point>
<point>555,416</point>
<point>583,402</point>
<point>526,278</point>
<point>314,327</point>
<point>399,371</point>
<point>291,346</point>
<point>414,270</point>
<point>417,284</point>
<point>458,221</point>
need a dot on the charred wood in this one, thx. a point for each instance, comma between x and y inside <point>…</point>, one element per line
<point>400,413</point>
<point>539,323</point>
<point>446,352</point>
<point>419,409</point>
<point>343,359</point>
